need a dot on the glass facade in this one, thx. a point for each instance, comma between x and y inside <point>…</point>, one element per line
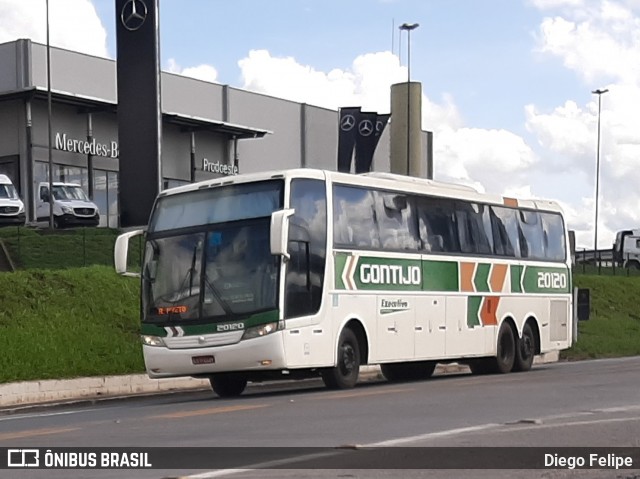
<point>105,196</point>
<point>105,187</point>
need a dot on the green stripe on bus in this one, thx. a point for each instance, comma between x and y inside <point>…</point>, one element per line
<point>515,278</point>
<point>193,329</point>
<point>544,279</point>
<point>440,276</point>
<point>481,279</point>
<point>372,273</point>
<point>473,308</point>
<point>340,261</point>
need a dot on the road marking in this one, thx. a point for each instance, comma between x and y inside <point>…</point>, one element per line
<point>363,393</point>
<point>293,460</point>
<point>262,465</point>
<point>520,427</point>
<point>31,416</point>
<point>35,432</point>
<point>204,412</point>
<point>421,437</point>
<point>433,435</point>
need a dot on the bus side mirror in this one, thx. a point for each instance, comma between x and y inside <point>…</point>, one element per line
<point>121,252</point>
<point>583,304</point>
<point>279,232</point>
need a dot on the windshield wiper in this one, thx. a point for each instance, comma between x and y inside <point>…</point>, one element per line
<point>188,279</point>
<point>225,306</point>
<point>192,270</point>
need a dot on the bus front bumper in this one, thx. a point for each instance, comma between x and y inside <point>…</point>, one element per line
<point>257,354</point>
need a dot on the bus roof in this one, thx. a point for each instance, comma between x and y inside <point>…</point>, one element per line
<point>388,181</point>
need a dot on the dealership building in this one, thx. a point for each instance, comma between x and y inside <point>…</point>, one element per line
<point>208,130</point>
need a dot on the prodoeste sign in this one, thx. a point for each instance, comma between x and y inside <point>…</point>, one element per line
<point>220,168</point>
<point>85,147</point>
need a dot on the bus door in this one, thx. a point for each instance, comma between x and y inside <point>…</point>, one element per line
<point>395,326</point>
<point>430,327</point>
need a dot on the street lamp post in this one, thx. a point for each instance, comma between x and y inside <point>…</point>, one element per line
<point>598,92</point>
<point>408,27</point>
<point>51,223</point>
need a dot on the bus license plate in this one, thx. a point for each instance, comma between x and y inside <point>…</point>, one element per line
<point>203,359</point>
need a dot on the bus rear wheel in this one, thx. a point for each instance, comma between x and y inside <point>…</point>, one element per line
<point>413,371</point>
<point>505,358</point>
<point>506,354</point>
<point>526,349</point>
<point>227,385</point>
<point>345,374</point>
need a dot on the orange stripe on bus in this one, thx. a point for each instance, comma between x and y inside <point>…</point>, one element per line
<point>512,202</point>
<point>466,276</point>
<point>488,310</point>
<point>498,275</point>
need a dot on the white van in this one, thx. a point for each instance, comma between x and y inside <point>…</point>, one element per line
<point>11,206</point>
<point>71,206</point>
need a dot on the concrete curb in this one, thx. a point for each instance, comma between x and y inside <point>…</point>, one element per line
<point>31,393</point>
<point>34,392</point>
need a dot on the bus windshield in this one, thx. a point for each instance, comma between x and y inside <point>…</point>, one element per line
<point>209,270</point>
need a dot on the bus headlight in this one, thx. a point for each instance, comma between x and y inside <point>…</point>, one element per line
<point>262,330</point>
<point>152,340</point>
<point>67,209</point>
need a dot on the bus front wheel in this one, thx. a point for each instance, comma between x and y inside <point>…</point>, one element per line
<point>227,385</point>
<point>345,374</point>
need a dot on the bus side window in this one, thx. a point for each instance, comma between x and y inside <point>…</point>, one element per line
<point>437,225</point>
<point>354,210</point>
<point>532,234</point>
<point>472,229</point>
<point>553,227</point>
<point>394,221</point>
<point>505,232</point>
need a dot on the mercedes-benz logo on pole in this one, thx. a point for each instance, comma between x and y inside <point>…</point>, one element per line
<point>133,14</point>
<point>348,122</point>
<point>365,127</point>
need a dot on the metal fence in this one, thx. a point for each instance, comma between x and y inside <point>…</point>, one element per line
<point>34,248</point>
<point>602,262</point>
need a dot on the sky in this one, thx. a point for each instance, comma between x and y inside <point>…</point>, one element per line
<point>506,84</point>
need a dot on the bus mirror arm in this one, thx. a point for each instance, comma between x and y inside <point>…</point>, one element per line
<point>121,251</point>
<point>279,233</point>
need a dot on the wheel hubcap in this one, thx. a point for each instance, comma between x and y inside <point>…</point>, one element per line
<point>527,347</point>
<point>505,350</point>
<point>348,358</point>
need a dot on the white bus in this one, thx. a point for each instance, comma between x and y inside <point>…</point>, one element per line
<point>306,272</point>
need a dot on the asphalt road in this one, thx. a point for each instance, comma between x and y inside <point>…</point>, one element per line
<point>585,404</point>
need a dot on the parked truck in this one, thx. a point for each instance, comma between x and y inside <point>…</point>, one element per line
<point>626,248</point>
